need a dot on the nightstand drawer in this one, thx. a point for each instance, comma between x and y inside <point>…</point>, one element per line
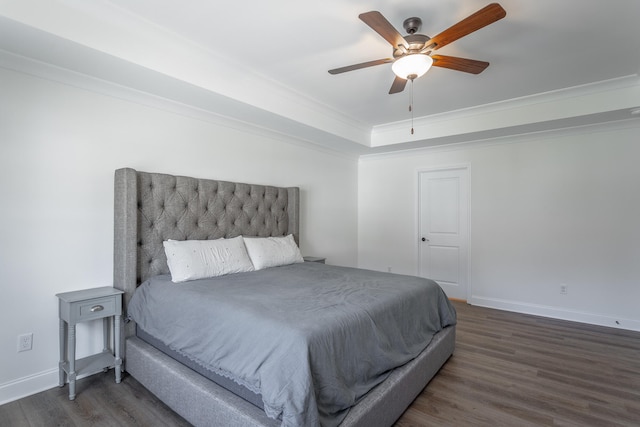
<point>96,308</point>
<point>89,304</point>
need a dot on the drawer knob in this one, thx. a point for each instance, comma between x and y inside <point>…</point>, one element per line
<point>96,308</point>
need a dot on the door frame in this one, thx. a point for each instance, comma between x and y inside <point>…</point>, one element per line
<point>418,246</point>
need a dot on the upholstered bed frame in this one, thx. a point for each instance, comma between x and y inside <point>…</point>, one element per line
<point>151,208</point>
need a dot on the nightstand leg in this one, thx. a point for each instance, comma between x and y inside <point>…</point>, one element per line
<point>72,362</point>
<point>63,352</point>
<point>116,345</point>
<point>105,333</point>
<point>105,337</point>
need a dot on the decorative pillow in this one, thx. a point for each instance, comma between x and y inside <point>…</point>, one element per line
<point>198,259</point>
<point>272,251</point>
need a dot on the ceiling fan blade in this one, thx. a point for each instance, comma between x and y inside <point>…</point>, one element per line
<point>361,65</point>
<point>380,25</point>
<point>460,64</point>
<point>485,16</point>
<point>398,85</point>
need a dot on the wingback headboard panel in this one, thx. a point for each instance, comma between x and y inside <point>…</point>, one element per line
<point>152,207</point>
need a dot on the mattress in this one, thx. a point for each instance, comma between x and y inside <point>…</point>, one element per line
<point>222,381</point>
<point>310,339</point>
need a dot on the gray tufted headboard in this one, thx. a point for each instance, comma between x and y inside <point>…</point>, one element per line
<point>152,207</point>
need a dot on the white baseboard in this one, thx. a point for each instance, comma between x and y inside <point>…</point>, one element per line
<point>556,313</point>
<point>32,384</point>
<point>26,386</point>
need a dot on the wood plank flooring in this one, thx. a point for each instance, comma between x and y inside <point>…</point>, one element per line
<point>99,402</point>
<point>508,369</point>
<point>511,369</point>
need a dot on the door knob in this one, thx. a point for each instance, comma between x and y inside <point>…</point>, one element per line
<point>424,239</point>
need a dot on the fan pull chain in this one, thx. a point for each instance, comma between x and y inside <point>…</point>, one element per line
<point>411,106</point>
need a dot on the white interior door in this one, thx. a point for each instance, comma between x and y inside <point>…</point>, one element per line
<point>444,229</point>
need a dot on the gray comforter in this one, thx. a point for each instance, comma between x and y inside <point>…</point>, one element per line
<point>310,338</point>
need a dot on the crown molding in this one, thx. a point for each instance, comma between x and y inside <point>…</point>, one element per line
<point>160,57</point>
<point>587,126</point>
<point>603,101</point>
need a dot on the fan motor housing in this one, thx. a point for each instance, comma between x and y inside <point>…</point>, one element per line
<point>416,43</point>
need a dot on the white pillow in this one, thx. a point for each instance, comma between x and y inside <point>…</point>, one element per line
<point>272,251</point>
<point>198,259</point>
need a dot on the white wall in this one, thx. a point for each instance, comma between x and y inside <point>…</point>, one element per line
<point>545,210</point>
<point>59,147</point>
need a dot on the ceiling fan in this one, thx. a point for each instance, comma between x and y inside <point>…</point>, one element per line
<point>413,54</point>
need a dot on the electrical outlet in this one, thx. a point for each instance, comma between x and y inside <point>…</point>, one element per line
<point>25,342</point>
<point>563,289</point>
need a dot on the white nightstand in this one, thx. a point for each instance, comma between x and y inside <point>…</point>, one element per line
<point>81,306</point>
<point>314,259</point>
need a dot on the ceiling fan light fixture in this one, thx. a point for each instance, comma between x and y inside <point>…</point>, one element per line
<point>414,65</point>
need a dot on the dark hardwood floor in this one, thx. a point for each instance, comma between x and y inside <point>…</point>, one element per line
<point>99,402</point>
<point>512,369</point>
<point>508,370</point>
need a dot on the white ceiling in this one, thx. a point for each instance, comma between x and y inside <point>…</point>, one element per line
<point>269,59</point>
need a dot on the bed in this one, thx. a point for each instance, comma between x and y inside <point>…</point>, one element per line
<point>151,208</point>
